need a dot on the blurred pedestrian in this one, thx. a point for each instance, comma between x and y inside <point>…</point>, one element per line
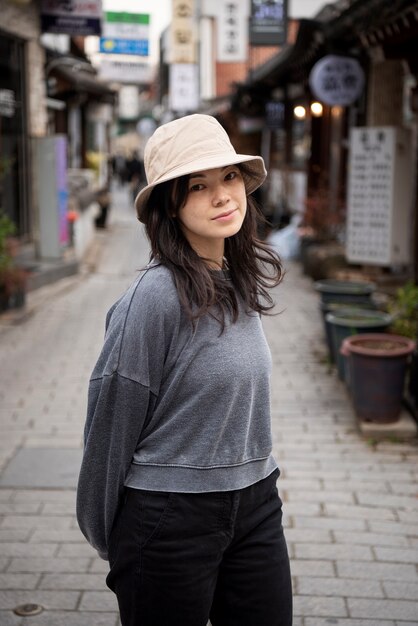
<point>119,168</point>
<point>136,173</point>
<point>178,481</point>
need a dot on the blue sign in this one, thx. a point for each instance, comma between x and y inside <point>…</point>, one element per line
<point>124,46</point>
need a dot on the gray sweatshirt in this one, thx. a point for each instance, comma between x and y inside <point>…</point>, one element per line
<point>172,407</point>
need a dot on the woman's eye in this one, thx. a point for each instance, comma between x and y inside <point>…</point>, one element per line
<point>231,175</point>
<point>196,187</point>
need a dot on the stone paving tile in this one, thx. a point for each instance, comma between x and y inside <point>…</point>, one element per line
<point>377,571</point>
<point>18,581</point>
<point>370,539</point>
<point>338,587</point>
<point>4,563</point>
<point>308,535</point>
<point>387,500</point>
<point>398,555</point>
<point>7,618</point>
<point>6,494</point>
<point>331,523</point>
<point>394,528</point>
<point>319,606</point>
<point>10,508</point>
<point>401,591</point>
<point>64,600</point>
<point>23,549</point>
<point>34,564</point>
<point>58,508</point>
<point>14,534</point>
<point>98,601</point>
<point>300,567</point>
<point>45,495</point>
<point>99,565</point>
<point>321,496</point>
<point>76,549</point>
<point>320,621</point>
<point>359,512</point>
<point>81,582</point>
<point>384,609</point>
<point>70,618</point>
<point>333,552</point>
<point>31,521</point>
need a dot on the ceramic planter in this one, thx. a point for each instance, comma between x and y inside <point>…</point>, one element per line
<point>377,364</point>
<point>352,321</point>
<point>336,307</point>
<point>344,291</point>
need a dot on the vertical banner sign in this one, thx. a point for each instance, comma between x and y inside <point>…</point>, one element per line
<point>184,87</point>
<point>268,22</point>
<point>182,32</point>
<point>125,33</point>
<point>71,17</point>
<point>275,115</point>
<point>232,32</point>
<point>62,188</point>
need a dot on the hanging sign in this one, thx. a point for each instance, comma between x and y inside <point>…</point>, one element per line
<point>124,46</point>
<point>7,103</point>
<point>275,114</point>
<point>182,32</point>
<point>71,17</point>
<point>184,87</point>
<point>232,32</point>
<point>125,33</point>
<point>125,71</point>
<point>337,80</point>
<point>268,22</point>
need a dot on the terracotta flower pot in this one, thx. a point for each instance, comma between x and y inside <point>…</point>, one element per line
<point>353,321</point>
<point>377,365</point>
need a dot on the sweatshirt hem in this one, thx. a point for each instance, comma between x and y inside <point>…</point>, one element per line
<point>194,480</point>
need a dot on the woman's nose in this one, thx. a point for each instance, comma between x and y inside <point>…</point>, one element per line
<point>220,196</point>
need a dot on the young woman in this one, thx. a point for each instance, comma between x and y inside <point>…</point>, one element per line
<point>177,487</point>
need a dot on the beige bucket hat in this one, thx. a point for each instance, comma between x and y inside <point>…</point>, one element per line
<point>192,144</point>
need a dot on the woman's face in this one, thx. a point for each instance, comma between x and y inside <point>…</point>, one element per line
<point>215,208</point>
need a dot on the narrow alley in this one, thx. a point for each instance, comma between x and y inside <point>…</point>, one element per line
<point>351,506</point>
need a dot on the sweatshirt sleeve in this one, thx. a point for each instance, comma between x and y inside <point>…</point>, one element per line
<point>122,393</point>
<point>117,407</point>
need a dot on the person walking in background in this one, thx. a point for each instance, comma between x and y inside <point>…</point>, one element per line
<point>135,173</point>
<point>177,487</point>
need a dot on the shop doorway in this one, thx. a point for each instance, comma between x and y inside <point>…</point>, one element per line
<point>14,166</point>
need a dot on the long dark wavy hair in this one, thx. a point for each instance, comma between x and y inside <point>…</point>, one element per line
<point>253,267</point>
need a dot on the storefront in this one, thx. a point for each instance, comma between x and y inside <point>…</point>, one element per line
<point>14,143</point>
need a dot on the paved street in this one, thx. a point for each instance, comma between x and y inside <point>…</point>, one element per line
<point>351,506</point>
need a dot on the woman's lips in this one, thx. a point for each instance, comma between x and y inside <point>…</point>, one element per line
<point>224,217</point>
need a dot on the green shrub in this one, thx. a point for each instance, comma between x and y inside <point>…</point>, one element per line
<point>404,308</point>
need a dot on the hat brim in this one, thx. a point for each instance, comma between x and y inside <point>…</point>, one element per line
<point>254,174</point>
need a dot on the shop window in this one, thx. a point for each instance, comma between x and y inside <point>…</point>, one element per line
<point>14,170</point>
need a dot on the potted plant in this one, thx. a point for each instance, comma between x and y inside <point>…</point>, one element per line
<point>404,308</point>
<point>335,294</point>
<point>377,365</point>
<point>347,321</point>
<point>12,277</point>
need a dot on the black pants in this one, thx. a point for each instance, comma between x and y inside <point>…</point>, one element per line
<point>181,558</point>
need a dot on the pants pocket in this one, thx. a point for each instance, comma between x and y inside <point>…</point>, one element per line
<point>151,512</point>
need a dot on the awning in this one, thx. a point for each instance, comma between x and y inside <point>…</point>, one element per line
<point>80,76</point>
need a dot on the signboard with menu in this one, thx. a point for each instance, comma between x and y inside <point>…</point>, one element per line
<point>379,206</point>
